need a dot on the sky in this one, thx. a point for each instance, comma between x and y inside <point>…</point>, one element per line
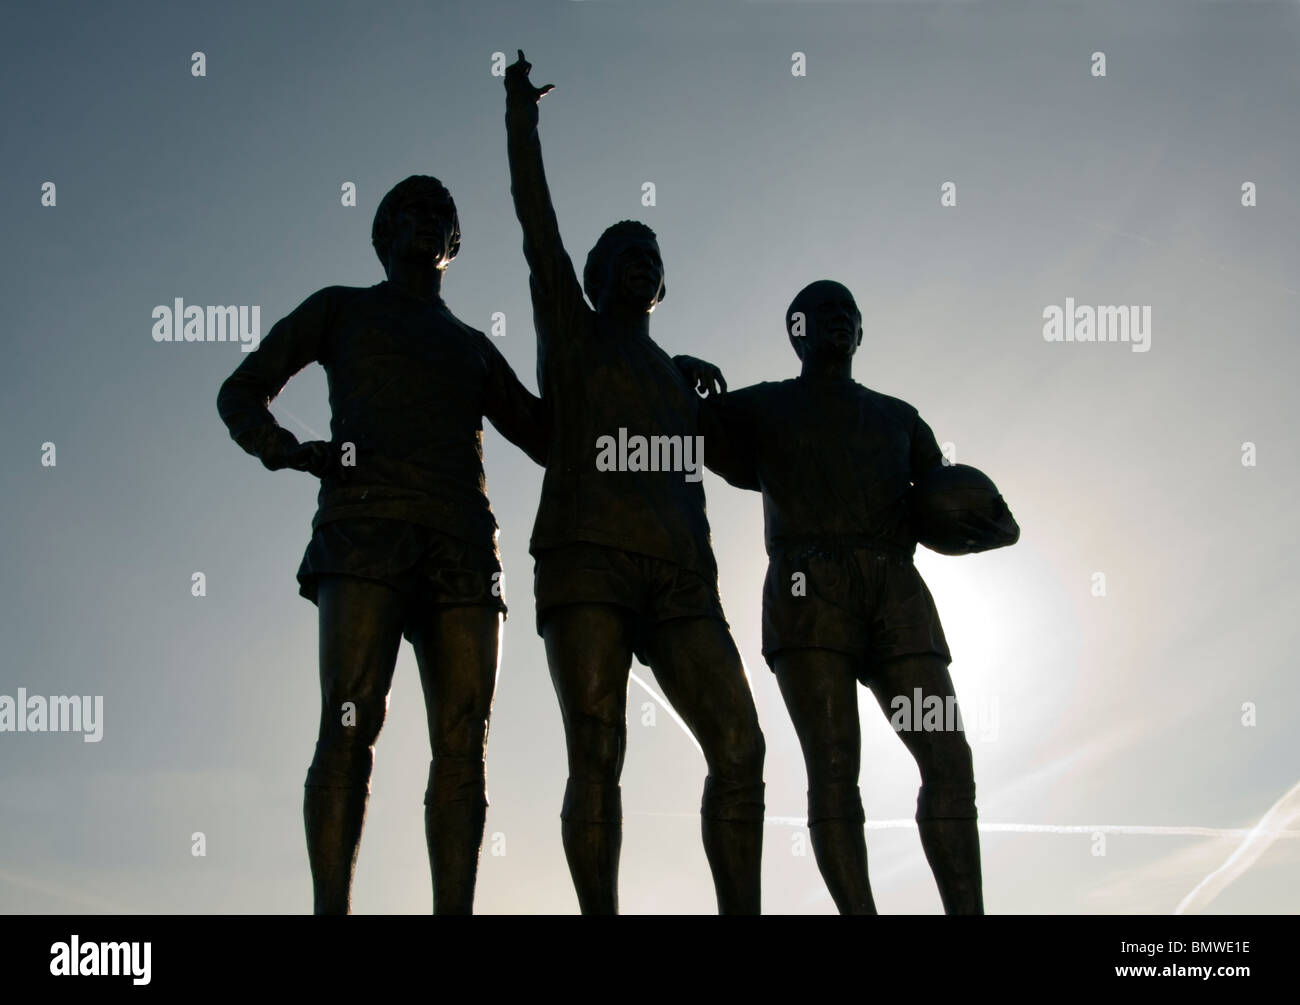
<point>1125,742</point>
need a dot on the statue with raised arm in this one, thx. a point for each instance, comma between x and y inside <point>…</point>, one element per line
<point>624,561</point>
<point>404,542</point>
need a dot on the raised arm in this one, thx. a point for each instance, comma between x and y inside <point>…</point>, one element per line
<point>292,343</point>
<point>552,274</point>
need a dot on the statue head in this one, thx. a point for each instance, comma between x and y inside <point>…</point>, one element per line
<point>624,269</point>
<point>416,220</point>
<point>829,319</point>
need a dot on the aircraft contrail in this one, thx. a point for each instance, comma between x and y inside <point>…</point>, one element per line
<point>297,421</point>
<point>1008,828</point>
<point>1257,841</point>
<point>62,893</point>
<point>1131,235</point>
<point>669,709</point>
<point>1013,828</point>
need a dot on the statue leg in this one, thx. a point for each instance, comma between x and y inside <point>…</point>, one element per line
<point>820,688</point>
<point>590,655</point>
<point>945,805</point>
<point>456,649</point>
<point>360,632</point>
<point>699,668</point>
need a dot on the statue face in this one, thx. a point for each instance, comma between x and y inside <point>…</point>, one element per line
<point>424,230</point>
<point>636,274</point>
<point>834,323</point>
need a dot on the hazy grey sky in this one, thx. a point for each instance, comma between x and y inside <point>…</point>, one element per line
<point>1117,710</point>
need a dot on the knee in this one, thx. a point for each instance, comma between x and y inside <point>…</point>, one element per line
<point>835,801</point>
<point>738,752</point>
<point>340,763</point>
<point>345,745</point>
<point>946,800</point>
<point>596,747</point>
<point>944,757</point>
<point>460,728</point>
<point>733,789</point>
<point>353,717</point>
<point>592,802</point>
<point>832,763</point>
<point>456,778</point>
<point>739,800</point>
<point>833,792</point>
<point>947,780</point>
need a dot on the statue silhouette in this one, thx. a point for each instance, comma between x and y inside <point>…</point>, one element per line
<point>624,562</point>
<point>404,540</point>
<point>842,601</point>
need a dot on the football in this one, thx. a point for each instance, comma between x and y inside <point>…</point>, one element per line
<point>957,510</point>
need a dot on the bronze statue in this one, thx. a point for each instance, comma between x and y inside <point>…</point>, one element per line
<point>624,562</point>
<point>843,602</point>
<point>404,541</point>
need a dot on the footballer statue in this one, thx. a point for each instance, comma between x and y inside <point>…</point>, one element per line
<point>851,480</point>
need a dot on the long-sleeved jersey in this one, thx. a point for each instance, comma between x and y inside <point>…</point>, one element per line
<point>409,386</point>
<point>833,459</point>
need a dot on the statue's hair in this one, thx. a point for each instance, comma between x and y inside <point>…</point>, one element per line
<point>804,299</point>
<point>381,231</point>
<point>593,273</point>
